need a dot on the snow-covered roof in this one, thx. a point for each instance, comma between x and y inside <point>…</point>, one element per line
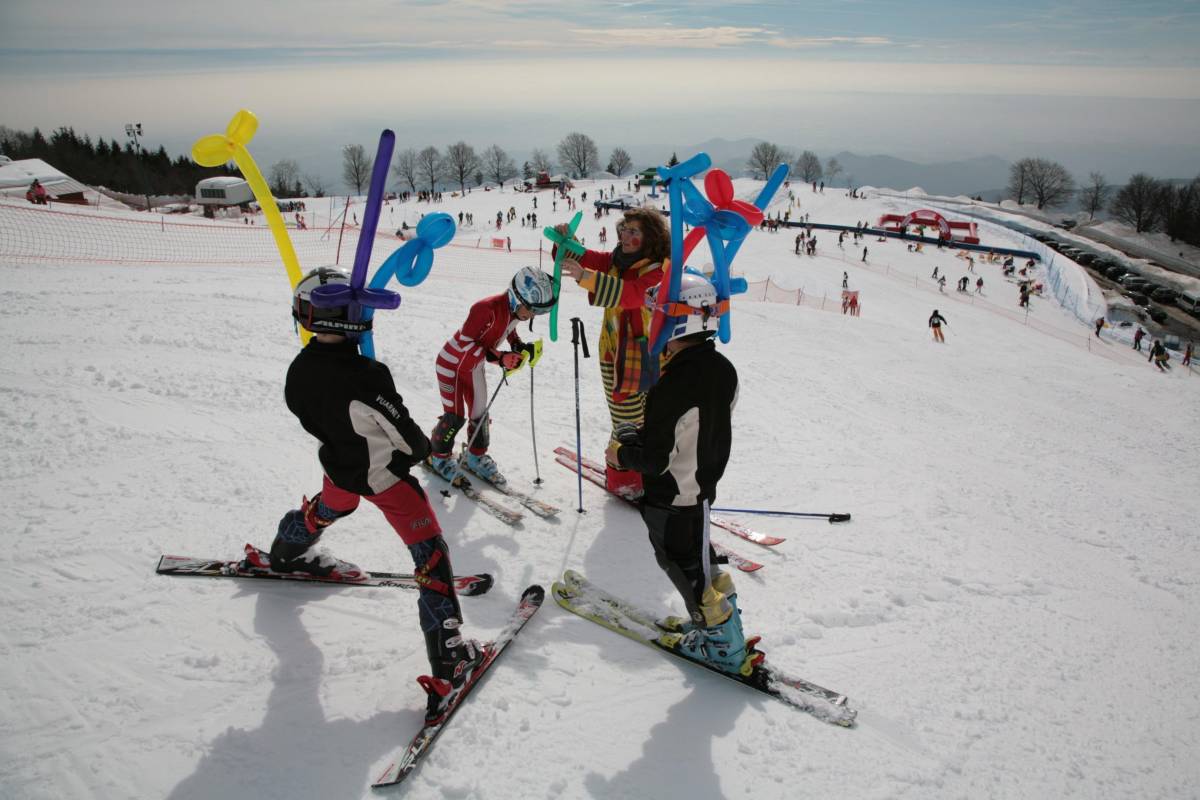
<point>221,182</point>
<point>17,175</point>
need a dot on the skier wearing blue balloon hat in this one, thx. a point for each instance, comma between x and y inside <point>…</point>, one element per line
<point>681,452</point>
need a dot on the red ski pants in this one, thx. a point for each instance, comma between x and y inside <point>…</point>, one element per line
<point>404,506</point>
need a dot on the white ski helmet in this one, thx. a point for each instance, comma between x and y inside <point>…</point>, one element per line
<point>324,320</point>
<point>533,289</point>
<point>696,311</point>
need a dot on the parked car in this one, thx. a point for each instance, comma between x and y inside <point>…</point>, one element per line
<point>1128,278</point>
<point>1115,272</point>
<point>1157,314</point>
<point>1164,295</point>
<point>1189,302</point>
<point>1138,298</point>
<point>1087,258</point>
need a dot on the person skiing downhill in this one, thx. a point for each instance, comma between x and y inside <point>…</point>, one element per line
<point>617,281</point>
<point>1158,354</point>
<point>936,321</point>
<point>460,364</point>
<point>681,452</point>
<point>368,445</point>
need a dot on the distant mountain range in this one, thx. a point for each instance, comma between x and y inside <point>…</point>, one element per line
<point>968,176</point>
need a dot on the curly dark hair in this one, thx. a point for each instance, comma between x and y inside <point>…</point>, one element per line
<point>656,239</point>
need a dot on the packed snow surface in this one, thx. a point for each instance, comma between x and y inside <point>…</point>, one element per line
<point>1013,608</point>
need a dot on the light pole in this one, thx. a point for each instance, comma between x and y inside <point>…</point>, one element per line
<point>134,131</point>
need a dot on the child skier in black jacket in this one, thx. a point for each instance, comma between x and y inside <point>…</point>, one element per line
<point>368,445</point>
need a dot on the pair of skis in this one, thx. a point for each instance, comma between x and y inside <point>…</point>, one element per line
<point>573,593</point>
<point>580,596</point>
<point>257,564</point>
<point>500,511</point>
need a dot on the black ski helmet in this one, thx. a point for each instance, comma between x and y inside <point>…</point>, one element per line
<point>324,320</point>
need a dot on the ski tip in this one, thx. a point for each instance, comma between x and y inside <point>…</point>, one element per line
<point>534,594</point>
<point>562,594</point>
<point>474,585</point>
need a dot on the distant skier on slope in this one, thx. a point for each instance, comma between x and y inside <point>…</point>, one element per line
<point>681,453</point>
<point>936,321</point>
<point>1159,355</point>
<point>368,444</point>
<point>460,363</point>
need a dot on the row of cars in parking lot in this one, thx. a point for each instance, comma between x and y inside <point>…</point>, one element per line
<point>1139,289</point>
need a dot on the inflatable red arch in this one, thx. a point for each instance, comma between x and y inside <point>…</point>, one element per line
<point>949,230</point>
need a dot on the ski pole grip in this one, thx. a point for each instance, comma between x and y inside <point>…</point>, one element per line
<point>839,518</point>
<point>579,336</point>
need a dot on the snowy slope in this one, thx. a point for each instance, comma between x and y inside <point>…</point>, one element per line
<point>1013,608</point>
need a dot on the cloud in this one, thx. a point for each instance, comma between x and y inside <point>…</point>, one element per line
<point>804,42</point>
<point>671,37</point>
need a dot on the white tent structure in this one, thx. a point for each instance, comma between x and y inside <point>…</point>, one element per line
<point>15,177</point>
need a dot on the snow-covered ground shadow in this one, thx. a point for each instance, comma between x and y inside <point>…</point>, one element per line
<point>679,750</point>
<point>299,749</point>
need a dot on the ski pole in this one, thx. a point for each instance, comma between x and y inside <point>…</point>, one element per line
<point>537,481</point>
<point>578,337</point>
<point>814,515</point>
<point>479,427</point>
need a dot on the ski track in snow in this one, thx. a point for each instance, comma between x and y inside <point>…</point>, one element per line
<point>1012,608</point>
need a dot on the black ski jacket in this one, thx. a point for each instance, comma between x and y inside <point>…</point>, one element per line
<point>348,401</point>
<point>686,436</point>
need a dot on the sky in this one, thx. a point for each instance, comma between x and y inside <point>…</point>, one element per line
<point>1099,85</point>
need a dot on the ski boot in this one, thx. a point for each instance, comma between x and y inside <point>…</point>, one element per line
<point>485,467</point>
<point>722,583</point>
<point>294,548</point>
<point>625,483</point>
<point>722,646</point>
<point>444,466</point>
<point>452,674</point>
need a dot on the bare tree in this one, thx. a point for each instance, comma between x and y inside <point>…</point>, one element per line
<point>1094,196</point>
<point>315,184</point>
<point>461,163</point>
<point>578,154</point>
<point>619,162</point>
<point>765,157</point>
<point>1018,180</point>
<point>429,167</point>
<point>1050,182</point>
<point>356,166</point>
<point>541,162</point>
<point>497,165</point>
<point>1179,207</point>
<point>284,178</point>
<point>808,167</point>
<point>406,167</point>
<point>1137,203</point>
<point>833,168</point>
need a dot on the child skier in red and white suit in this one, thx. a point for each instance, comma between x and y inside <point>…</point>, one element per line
<point>490,322</point>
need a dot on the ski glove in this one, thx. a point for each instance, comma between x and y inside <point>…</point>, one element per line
<point>628,433</point>
<point>533,349</point>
